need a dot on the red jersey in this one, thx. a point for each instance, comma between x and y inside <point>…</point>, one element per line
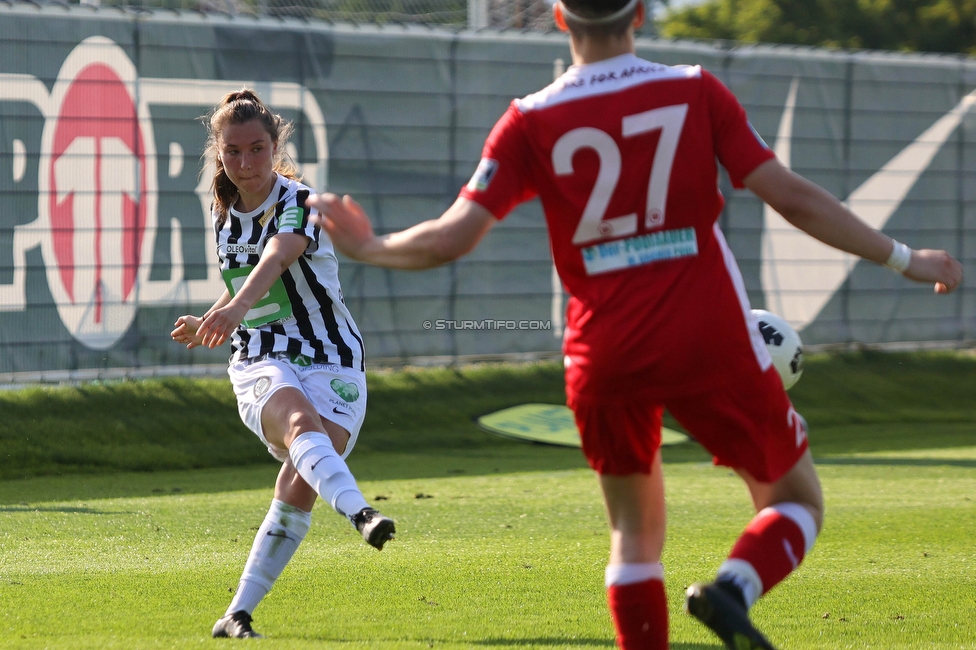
<point>622,153</point>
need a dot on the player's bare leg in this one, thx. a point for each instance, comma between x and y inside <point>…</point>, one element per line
<point>800,485</point>
<point>790,514</point>
<point>292,489</point>
<point>635,577</point>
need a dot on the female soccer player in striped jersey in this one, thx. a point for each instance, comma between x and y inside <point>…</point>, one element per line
<point>297,365</point>
<point>623,154</point>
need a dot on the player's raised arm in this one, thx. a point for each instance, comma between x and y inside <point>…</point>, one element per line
<point>815,211</point>
<point>425,245</point>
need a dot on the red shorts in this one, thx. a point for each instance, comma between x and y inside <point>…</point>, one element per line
<point>747,424</point>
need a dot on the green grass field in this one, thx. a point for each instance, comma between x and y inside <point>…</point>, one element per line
<point>500,544</point>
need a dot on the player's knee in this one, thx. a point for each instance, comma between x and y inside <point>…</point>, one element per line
<point>300,422</point>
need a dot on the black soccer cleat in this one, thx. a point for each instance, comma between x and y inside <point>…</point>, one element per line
<point>235,626</point>
<point>374,527</point>
<point>724,613</point>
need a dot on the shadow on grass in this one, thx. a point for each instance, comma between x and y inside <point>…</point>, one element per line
<point>25,507</point>
<point>367,465</point>
<point>561,641</point>
<point>544,641</point>
<point>130,485</point>
<point>897,462</point>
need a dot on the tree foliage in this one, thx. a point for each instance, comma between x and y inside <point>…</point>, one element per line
<point>908,25</point>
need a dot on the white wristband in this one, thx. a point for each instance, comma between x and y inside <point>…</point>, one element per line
<point>900,258</point>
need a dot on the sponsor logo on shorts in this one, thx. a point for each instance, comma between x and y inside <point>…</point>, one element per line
<point>338,412</point>
<point>347,391</point>
<point>304,362</point>
<point>261,386</point>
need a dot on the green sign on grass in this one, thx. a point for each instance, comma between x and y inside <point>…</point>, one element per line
<point>548,423</point>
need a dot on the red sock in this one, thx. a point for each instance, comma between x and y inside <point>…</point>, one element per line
<point>774,543</point>
<point>640,614</point>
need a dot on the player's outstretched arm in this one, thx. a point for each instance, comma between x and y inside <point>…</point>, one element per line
<point>815,211</point>
<point>425,245</point>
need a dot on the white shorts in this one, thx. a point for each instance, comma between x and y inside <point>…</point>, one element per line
<point>336,392</point>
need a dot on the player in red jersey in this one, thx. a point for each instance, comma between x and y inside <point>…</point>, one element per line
<point>622,153</point>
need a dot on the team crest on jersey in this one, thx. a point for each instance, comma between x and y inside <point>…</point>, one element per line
<point>483,175</point>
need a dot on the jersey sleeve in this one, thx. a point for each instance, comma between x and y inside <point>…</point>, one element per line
<point>503,178</point>
<point>737,145</point>
<point>293,217</point>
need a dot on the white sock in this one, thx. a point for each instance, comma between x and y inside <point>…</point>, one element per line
<point>744,576</point>
<point>283,529</point>
<point>321,466</point>
<point>632,573</point>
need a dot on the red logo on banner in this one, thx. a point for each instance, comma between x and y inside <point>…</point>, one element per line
<point>98,190</point>
<point>97,193</point>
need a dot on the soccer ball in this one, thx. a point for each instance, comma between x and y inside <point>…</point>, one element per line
<point>784,346</point>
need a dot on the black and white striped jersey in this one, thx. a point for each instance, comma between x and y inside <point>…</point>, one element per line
<point>303,313</point>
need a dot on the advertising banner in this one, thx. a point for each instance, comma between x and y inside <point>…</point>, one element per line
<point>104,207</point>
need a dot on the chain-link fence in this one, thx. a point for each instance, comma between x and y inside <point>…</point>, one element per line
<point>529,15</point>
<point>533,15</point>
